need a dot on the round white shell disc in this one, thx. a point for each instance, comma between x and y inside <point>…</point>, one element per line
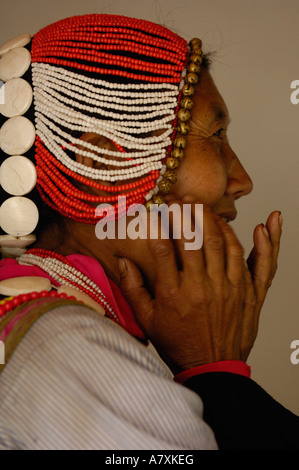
<point>18,216</point>
<point>17,135</point>
<point>18,175</point>
<point>24,285</point>
<point>8,241</point>
<point>8,252</point>
<point>14,63</point>
<point>17,98</point>
<point>18,41</point>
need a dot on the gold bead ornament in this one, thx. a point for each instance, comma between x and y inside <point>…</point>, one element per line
<point>180,142</point>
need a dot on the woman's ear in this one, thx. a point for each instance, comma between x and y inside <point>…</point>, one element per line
<point>98,140</point>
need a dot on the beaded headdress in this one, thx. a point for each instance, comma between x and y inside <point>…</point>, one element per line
<point>127,80</point>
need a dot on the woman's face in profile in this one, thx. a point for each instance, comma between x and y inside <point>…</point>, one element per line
<point>210,172</point>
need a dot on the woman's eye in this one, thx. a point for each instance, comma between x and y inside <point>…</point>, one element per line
<point>218,133</point>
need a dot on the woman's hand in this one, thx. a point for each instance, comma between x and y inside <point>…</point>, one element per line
<point>208,309</point>
<point>262,261</point>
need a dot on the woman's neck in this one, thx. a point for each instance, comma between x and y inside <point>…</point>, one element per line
<point>79,238</point>
<point>76,238</point>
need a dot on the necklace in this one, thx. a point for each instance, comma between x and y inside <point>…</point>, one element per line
<point>9,303</point>
<point>65,273</point>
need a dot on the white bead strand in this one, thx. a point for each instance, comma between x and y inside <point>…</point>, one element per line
<point>81,81</point>
<point>97,100</point>
<point>106,175</point>
<point>64,98</point>
<point>66,275</point>
<point>65,139</point>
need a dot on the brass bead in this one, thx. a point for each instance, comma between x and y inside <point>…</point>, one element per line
<point>180,142</point>
<point>177,153</point>
<point>192,78</point>
<point>184,115</point>
<point>193,68</point>
<point>170,176</point>
<point>188,90</point>
<point>197,51</point>
<point>186,103</point>
<point>149,204</point>
<point>158,199</point>
<point>165,186</point>
<point>195,42</point>
<point>172,163</point>
<point>183,128</point>
<point>196,59</point>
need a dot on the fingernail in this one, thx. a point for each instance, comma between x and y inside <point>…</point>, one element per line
<point>280,220</point>
<point>266,233</point>
<point>122,266</point>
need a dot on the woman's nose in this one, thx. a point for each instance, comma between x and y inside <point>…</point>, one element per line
<point>239,182</point>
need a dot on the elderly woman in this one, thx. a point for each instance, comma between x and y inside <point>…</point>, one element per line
<point>125,114</point>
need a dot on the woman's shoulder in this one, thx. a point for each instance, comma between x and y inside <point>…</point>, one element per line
<point>76,333</point>
<point>74,367</point>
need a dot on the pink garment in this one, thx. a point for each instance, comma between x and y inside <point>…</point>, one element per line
<point>9,268</point>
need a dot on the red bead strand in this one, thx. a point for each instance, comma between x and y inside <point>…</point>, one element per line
<point>66,197</point>
<point>20,299</point>
<point>109,23</point>
<point>83,38</point>
<point>42,154</point>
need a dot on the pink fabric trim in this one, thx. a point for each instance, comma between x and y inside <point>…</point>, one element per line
<point>234,367</point>
<point>10,268</point>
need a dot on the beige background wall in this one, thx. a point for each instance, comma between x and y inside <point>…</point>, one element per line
<point>257,45</point>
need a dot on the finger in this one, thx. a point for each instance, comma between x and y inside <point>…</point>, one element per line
<point>234,255</point>
<point>213,247</point>
<point>261,265</point>
<point>162,247</point>
<point>166,267</point>
<point>138,297</point>
<point>250,297</point>
<point>189,243</point>
<point>251,260</point>
<point>274,227</point>
<point>251,314</point>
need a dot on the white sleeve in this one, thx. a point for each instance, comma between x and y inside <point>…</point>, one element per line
<point>79,381</point>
